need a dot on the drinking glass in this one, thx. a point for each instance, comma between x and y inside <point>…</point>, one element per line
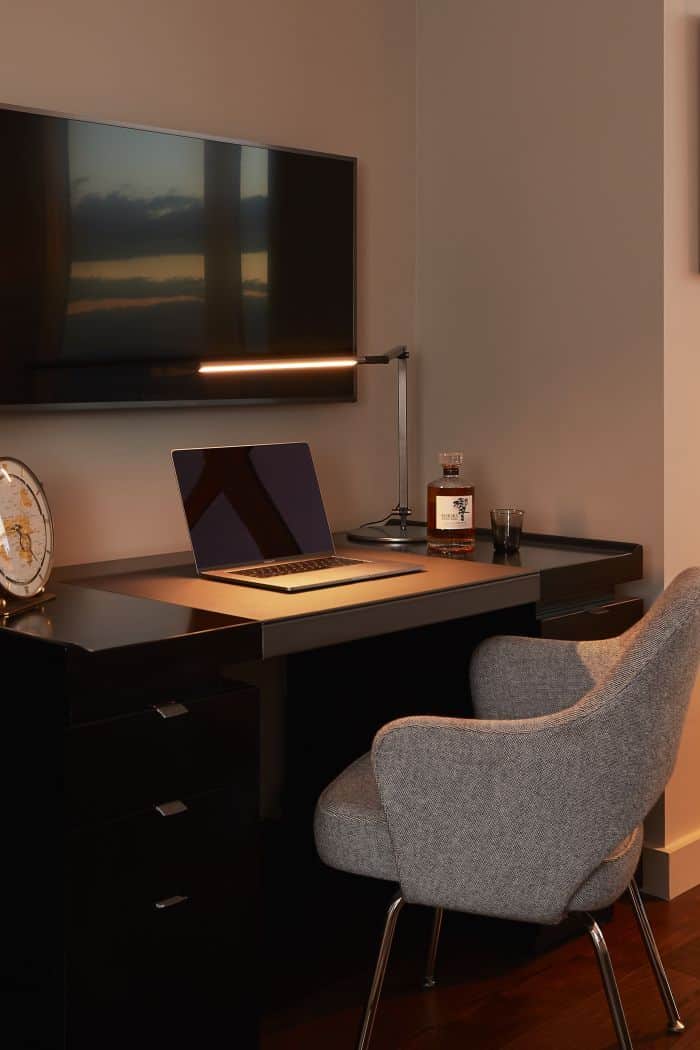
<point>506,526</point>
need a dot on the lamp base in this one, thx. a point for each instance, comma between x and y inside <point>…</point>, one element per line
<point>392,534</point>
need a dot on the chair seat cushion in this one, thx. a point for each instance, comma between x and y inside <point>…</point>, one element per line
<point>611,878</point>
<point>350,827</point>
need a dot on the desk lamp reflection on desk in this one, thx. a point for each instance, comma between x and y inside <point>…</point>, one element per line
<point>380,531</point>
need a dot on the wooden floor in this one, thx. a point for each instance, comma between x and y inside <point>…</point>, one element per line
<point>497,988</point>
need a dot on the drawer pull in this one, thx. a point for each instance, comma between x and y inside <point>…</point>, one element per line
<point>169,809</point>
<point>171,710</point>
<point>170,902</point>
<point>601,612</point>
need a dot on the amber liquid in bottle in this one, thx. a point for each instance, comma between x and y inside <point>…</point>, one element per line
<point>451,522</point>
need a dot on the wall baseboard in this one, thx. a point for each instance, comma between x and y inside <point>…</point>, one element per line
<point>673,869</point>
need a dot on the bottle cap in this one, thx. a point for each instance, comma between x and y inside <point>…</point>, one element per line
<point>451,459</point>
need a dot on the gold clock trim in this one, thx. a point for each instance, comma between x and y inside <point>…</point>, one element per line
<point>12,588</point>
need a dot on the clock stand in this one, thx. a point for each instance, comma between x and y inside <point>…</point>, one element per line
<point>12,606</point>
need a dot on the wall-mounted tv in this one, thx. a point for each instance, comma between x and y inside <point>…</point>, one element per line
<point>129,256</point>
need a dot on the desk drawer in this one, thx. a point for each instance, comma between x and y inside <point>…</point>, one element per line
<point>127,870</point>
<point>176,981</point>
<point>125,765</point>
<point>157,909</point>
<point>605,621</point>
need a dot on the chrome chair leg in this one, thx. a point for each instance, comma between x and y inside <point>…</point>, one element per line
<point>675,1024</point>
<point>379,971</point>
<point>609,983</point>
<point>429,979</point>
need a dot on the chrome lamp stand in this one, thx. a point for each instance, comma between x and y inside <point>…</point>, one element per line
<point>381,531</point>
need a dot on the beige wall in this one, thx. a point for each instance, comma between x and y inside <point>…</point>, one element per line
<point>320,74</point>
<point>674,865</point>
<point>558,315</point>
<point>540,283</point>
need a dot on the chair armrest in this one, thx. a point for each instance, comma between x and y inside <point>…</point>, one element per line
<point>515,677</point>
<point>501,818</point>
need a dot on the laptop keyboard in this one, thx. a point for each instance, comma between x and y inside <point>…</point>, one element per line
<point>310,565</point>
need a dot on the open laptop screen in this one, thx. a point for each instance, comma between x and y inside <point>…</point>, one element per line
<point>249,503</point>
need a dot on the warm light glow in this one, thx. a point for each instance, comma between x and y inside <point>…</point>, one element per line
<point>211,367</point>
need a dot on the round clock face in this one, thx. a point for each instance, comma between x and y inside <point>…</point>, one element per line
<point>26,531</point>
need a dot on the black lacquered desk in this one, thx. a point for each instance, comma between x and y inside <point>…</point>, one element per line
<point>138,740</point>
<point>559,576</point>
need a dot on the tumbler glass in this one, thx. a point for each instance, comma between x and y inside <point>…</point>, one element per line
<point>506,526</point>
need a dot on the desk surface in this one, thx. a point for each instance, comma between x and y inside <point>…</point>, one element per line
<point>181,585</point>
<point>548,569</point>
<point>447,589</point>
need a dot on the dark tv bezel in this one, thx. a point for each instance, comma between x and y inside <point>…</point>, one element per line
<point>62,406</point>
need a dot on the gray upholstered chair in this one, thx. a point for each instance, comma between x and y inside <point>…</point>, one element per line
<point>533,810</point>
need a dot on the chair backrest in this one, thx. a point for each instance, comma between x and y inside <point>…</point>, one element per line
<point>510,818</point>
<point>652,684</point>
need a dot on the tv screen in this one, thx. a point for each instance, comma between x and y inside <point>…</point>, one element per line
<point>129,257</point>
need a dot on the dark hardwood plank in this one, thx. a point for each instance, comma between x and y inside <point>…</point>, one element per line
<point>494,992</point>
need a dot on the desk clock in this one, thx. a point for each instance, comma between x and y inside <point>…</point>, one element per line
<point>26,539</point>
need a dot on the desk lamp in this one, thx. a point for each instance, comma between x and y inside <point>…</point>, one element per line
<point>373,531</point>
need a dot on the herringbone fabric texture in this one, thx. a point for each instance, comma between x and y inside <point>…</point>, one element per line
<point>526,817</point>
<point>611,877</point>
<point>510,818</point>
<point>507,680</point>
<point>350,825</point>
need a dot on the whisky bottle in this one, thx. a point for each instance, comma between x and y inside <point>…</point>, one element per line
<point>451,522</point>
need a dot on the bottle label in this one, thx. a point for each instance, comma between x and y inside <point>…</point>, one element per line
<point>454,512</point>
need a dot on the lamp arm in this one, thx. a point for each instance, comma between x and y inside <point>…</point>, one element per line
<point>400,352</point>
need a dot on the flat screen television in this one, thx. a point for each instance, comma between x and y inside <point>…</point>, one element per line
<point>130,256</point>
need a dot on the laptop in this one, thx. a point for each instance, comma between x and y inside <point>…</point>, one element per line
<point>256,517</point>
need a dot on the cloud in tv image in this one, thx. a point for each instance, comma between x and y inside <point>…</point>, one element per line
<point>158,266</point>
